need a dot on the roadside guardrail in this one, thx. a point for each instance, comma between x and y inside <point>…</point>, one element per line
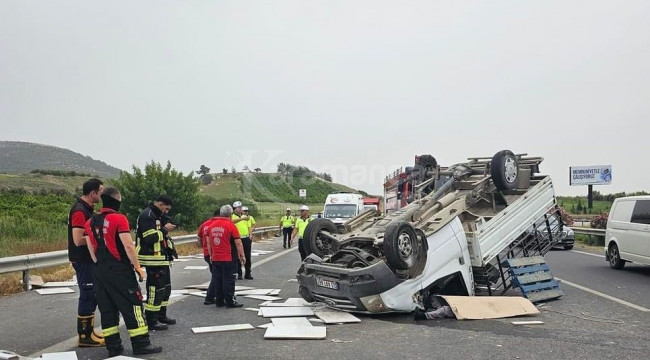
<point>588,231</point>
<point>25,263</point>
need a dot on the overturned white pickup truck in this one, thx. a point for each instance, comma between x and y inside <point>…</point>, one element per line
<point>451,237</point>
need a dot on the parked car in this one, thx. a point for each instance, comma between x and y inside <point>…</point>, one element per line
<point>627,238</point>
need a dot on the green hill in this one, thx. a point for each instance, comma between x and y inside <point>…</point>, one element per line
<point>22,157</point>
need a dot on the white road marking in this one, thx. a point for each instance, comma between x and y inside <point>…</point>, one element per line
<point>609,297</point>
<point>586,253</point>
<point>72,342</point>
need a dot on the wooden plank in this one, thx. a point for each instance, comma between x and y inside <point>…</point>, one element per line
<point>553,284</point>
<point>533,278</point>
<point>545,295</point>
<point>529,269</point>
<point>527,261</point>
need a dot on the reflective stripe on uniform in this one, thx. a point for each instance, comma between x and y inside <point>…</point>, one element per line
<point>137,310</point>
<point>142,330</point>
<point>151,299</point>
<point>146,263</point>
<point>110,331</point>
<point>164,303</point>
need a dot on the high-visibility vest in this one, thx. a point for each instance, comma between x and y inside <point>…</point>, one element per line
<point>288,221</point>
<point>242,226</point>
<point>301,225</point>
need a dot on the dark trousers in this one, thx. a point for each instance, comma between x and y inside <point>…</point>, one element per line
<point>211,292</point>
<point>301,249</point>
<point>159,288</point>
<point>286,236</point>
<point>86,280</point>
<point>118,293</point>
<point>248,244</point>
<point>223,277</point>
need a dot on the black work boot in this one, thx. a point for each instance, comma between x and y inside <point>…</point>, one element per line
<point>142,345</point>
<point>248,276</point>
<point>162,317</point>
<point>234,304</point>
<point>86,331</point>
<point>114,345</point>
<point>152,321</point>
<point>419,315</point>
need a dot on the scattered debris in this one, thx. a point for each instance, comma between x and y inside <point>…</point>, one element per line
<point>203,286</point>
<point>319,321</point>
<point>527,323</point>
<point>291,321</point>
<point>180,292</point>
<point>254,292</point>
<point>265,326</point>
<point>122,357</point>
<point>68,355</point>
<point>202,267</point>
<point>199,294</point>
<point>271,312</point>
<point>36,281</point>
<point>336,317</point>
<point>55,284</point>
<point>489,307</point>
<point>252,309</point>
<point>54,291</point>
<point>275,292</point>
<point>263,297</point>
<point>242,288</point>
<point>292,280</point>
<point>296,333</point>
<point>222,328</point>
<point>7,355</point>
<point>337,341</point>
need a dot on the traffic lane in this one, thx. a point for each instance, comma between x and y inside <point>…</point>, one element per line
<point>631,284</point>
<point>564,334</point>
<point>27,314</point>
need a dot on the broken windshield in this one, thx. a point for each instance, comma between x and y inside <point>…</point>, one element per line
<point>340,211</point>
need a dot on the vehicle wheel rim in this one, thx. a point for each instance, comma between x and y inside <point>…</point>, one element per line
<point>613,255</point>
<point>323,245</point>
<point>510,170</point>
<point>404,245</point>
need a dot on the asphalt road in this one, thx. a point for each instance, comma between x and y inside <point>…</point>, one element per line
<point>579,325</point>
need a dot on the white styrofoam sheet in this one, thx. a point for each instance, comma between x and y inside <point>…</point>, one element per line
<point>263,297</point>
<point>243,288</point>
<point>199,294</point>
<point>336,317</point>
<point>68,355</point>
<point>271,312</point>
<point>254,292</point>
<point>291,321</point>
<point>275,292</point>
<point>202,267</point>
<point>296,332</point>
<point>222,328</point>
<point>54,284</point>
<point>264,326</point>
<point>54,291</point>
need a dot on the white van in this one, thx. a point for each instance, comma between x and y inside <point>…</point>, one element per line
<point>342,207</point>
<point>628,232</point>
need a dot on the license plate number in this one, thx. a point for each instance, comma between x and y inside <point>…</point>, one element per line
<point>327,284</point>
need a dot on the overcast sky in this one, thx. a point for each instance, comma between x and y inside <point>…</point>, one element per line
<point>356,88</point>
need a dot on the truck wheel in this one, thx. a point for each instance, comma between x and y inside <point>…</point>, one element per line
<point>568,247</point>
<point>504,169</point>
<point>401,245</point>
<point>314,242</point>
<point>615,261</point>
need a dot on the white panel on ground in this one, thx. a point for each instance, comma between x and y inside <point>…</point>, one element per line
<point>254,292</point>
<point>263,297</point>
<point>180,292</point>
<point>275,292</point>
<point>297,302</point>
<point>252,309</point>
<point>291,321</point>
<point>527,323</point>
<point>54,291</point>
<point>122,357</point>
<point>221,328</point>
<point>271,312</point>
<point>68,355</point>
<point>55,284</point>
<point>336,317</point>
<point>199,294</point>
<point>297,333</point>
<point>242,288</point>
<point>265,326</point>
<point>204,267</point>
<point>4,355</point>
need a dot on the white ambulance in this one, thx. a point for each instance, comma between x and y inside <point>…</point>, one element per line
<point>342,207</point>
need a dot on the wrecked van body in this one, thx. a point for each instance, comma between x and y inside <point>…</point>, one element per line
<point>450,237</point>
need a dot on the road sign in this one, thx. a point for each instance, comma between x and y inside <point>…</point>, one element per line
<point>302,192</point>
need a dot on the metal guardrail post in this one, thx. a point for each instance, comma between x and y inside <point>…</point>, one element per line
<point>27,285</point>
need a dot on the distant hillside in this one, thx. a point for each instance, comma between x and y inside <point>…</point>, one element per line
<point>271,188</point>
<point>22,157</point>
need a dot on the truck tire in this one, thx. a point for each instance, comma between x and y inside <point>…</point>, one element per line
<point>316,244</point>
<point>615,261</point>
<point>504,169</point>
<point>401,245</point>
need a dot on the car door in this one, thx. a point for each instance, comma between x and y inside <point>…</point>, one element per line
<point>640,230</point>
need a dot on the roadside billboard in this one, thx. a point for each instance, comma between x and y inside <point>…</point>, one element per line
<point>590,175</point>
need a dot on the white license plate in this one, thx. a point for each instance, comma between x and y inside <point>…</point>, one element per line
<point>327,284</point>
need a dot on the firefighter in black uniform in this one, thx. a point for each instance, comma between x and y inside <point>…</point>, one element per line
<point>111,247</point>
<point>82,263</point>
<point>155,252</point>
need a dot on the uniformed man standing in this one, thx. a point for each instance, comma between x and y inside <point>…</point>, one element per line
<point>301,225</point>
<point>251,221</point>
<point>82,262</point>
<point>286,226</point>
<point>154,254</point>
<point>241,222</point>
<point>110,245</point>
<point>224,241</point>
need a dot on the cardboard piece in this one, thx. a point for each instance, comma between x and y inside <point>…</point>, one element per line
<point>336,317</point>
<point>296,332</point>
<point>221,328</point>
<point>271,312</point>
<point>54,291</point>
<point>489,307</point>
<point>202,267</point>
<point>68,355</point>
<point>291,321</point>
<point>36,281</point>
<point>263,297</point>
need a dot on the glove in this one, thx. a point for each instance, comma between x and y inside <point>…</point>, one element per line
<point>140,274</point>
